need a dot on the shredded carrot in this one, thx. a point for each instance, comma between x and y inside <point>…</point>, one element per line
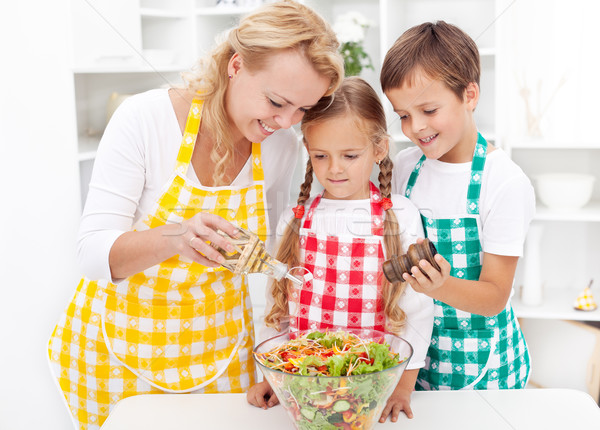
<point>288,356</point>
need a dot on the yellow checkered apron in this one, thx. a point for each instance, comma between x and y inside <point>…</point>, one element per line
<point>175,327</point>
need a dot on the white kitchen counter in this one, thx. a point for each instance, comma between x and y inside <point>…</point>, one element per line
<point>529,409</point>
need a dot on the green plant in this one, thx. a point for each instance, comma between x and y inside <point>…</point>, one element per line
<point>350,29</point>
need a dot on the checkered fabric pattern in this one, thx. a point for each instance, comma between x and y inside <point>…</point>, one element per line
<point>469,350</point>
<point>175,327</point>
<point>345,291</point>
<point>457,240</point>
<point>585,301</point>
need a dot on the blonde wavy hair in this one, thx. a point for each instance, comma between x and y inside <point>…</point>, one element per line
<point>271,29</point>
<point>355,98</point>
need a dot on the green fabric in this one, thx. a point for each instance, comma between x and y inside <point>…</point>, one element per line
<point>462,342</point>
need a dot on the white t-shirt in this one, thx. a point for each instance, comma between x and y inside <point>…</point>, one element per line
<point>343,217</point>
<point>136,157</point>
<point>507,199</point>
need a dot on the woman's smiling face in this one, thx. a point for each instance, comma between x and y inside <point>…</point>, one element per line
<point>260,102</point>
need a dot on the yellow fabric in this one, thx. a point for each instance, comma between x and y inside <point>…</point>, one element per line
<point>171,327</point>
<point>585,301</point>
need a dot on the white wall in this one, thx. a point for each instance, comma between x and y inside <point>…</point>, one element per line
<point>39,209</point>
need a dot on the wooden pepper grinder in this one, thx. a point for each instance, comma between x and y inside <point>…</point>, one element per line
<point>395,267</point>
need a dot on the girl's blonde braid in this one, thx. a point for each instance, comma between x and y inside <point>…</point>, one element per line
<point>289,253</point>
<point>395,316</point>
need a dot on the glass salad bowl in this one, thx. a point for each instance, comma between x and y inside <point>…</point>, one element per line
<point>336,379</point>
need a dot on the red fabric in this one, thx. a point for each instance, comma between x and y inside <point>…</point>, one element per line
<point>298,211</point>
<point>386,204</point>
<point>345,291</point>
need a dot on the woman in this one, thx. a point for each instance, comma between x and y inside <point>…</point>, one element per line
<point>173,167</point>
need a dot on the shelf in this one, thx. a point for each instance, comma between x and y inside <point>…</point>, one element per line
<point>87,147</point>
<point>557,304</point>
<point>162,13</point>
<point>223,11</point>
<point>401,138</point>
<point>487,52</point>
<point>130,69</point>
<point>541,143</point>
<point>590,212</point>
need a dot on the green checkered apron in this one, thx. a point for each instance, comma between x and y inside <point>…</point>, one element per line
<point>469,351</point>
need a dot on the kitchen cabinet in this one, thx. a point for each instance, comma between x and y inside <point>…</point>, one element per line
<point>564,354</point>
<point>564,343</point>
<point>132,46</point>
<point>568,249</point>
<point>552,106</point>
<point>390,18</point>
<point>144,44</point>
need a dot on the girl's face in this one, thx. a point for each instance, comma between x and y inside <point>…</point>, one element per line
<point>342,157</point>
<point>436,120</point>
<point>272,98</point>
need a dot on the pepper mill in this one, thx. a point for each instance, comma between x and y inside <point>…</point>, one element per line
<point>250,256</point>
<point>395,267</point>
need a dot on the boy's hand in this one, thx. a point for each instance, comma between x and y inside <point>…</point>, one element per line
<point>261,395</point>
<point>434,279</point>
<point>398,401</point>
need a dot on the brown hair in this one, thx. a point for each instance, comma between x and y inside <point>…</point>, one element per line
<point>357,98</point>
<point>440,50</point>
<point>273,28</point>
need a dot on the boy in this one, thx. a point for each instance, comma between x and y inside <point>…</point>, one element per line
<point>476,205</point>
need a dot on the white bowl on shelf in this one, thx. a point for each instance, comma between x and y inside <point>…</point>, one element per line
<point>564,191</point>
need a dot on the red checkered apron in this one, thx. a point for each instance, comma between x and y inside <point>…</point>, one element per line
<point>345,291</point>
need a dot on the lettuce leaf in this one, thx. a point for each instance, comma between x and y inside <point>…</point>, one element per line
<point>310,360</point>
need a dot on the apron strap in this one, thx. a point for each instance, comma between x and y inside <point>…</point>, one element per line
<point>258,175</point>
<point>377,212</point>
<point>377,215</point>
<point>477,165</point>
<point>474,190</point>
<point>412,179</point>
<point>190,134</point>
<point>309,216</point>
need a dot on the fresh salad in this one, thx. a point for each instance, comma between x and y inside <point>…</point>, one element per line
<point>328,380</point>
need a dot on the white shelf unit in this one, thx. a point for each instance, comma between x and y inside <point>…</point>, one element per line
<point>557,304</point>
<point>569,249</point>
<point>132,46</point>
<point>390,18</point>
<point>143,44</point>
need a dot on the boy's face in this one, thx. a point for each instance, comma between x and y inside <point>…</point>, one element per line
<point>436,120</point>
<point>342,157</point>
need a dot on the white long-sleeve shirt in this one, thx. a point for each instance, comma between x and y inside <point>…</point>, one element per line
<point>136,157</point>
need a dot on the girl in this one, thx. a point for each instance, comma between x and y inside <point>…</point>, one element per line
<point>343,235</point>
<point>476,206</point>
